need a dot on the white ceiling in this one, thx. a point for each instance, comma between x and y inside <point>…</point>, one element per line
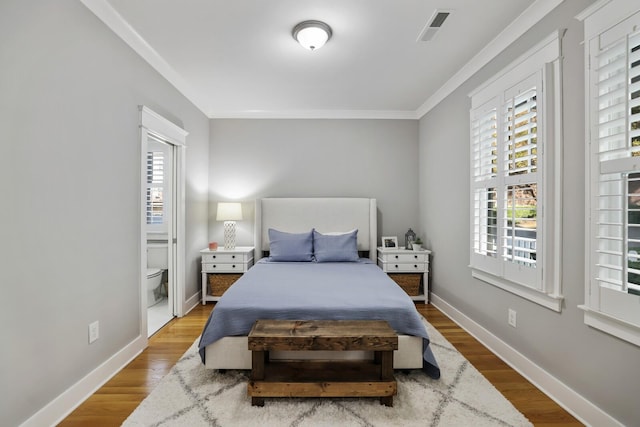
<point>238,59</point>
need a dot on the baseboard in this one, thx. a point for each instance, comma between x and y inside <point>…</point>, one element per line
<point>56,410</point>
<point>574,403</point>
<point>192,302</point>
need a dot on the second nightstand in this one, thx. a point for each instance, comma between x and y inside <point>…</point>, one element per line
<point>221,268</point>
<point>409,269</point>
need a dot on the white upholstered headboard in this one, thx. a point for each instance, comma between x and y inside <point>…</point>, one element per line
<point>297,215</point>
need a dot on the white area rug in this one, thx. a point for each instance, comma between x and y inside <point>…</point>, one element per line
<point>193,396</point>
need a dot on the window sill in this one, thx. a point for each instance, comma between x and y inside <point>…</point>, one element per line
<point>611,325</point>
<point>552,302</point>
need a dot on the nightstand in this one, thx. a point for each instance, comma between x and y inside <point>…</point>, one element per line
<point>409,269</point>
<point>221,268</point>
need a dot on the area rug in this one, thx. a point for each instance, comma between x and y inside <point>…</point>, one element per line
<point>192,396</point>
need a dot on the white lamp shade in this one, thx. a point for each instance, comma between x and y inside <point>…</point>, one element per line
<point>229,211</point>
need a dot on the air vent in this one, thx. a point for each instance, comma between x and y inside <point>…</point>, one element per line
<point>433,25</point>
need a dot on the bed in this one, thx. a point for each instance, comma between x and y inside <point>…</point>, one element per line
<point>332,283</point>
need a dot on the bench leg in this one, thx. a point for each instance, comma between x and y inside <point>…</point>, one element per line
<point>387,401</point>
<point>386,365</point>
<point>386,373</point>
<point>257,373</point>
<point>257,365</point>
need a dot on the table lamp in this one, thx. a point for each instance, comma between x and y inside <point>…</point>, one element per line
<point>229,213</point>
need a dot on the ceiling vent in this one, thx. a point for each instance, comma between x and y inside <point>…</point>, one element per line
<point>433,25</point>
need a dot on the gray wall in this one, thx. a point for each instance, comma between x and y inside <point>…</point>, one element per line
<point>252,159</point>
<point>594,364</point>
<point>69,177</point>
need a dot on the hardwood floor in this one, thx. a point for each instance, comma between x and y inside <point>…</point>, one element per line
<point>534,404</point>
<point>112,403</point>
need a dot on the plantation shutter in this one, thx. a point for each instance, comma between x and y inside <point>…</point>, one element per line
<point>158,185</point>
<point>617,115</point>
<point>505,173</point>
<point>484,158</point>
<point>155,187</point>
<point>615,153</point>
<point>520,148</point>
<point>520,189</point>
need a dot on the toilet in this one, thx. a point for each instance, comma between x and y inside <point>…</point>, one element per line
<point>157,263</point>
<point>154,279</point>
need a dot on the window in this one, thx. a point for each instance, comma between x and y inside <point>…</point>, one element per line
<point>612,295</point>
<point>158,187</point>
<point>513,118</point>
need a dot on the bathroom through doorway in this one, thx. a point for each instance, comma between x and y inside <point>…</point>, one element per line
<point>162,252</point>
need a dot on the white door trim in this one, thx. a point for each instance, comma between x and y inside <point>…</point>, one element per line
<point>153,123</point>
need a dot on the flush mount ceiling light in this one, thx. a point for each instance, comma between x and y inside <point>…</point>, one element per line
<point>312,35</point>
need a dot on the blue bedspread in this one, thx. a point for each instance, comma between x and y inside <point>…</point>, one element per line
<point>308,291</point>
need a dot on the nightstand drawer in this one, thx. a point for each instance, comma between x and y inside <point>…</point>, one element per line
<point>226,268</point>
<point>405,267</point>
<point>404,257</point>
<point>212,258</point>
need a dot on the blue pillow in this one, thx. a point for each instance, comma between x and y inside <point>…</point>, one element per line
<point>290,246</point>
<point>336,247</point>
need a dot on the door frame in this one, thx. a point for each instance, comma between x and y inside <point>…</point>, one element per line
<point>153,123</point>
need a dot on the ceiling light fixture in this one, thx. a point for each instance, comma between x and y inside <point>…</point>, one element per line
<point>312,35</point>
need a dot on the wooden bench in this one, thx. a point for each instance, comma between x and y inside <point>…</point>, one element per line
<point>303,378</point>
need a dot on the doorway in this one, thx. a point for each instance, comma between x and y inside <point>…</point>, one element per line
<point>159,190</point>
<point>162,252</point>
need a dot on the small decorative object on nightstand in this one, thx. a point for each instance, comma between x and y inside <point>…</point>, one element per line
<point>409,238</point>
<point>408,268</point>
<point>417,244</point>
<point>390,242</point>
<point>221,268</point>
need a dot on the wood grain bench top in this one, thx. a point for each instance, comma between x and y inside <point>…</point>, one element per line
<point>336,335</point>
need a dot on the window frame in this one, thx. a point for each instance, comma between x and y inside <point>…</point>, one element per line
<point>543,61</point>
<point>606,309</point>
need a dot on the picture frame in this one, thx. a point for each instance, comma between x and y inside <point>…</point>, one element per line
<point>389,242</point>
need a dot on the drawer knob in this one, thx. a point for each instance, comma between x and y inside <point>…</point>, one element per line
<point>396,265</point>
<point>213,256</point>
<point>415,256</point>
<point>233,257</point>
<point>233,266</point>
<point>214,266</point>
<point>396,256</point>
<point>415,266</point>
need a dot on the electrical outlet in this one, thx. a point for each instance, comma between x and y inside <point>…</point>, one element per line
<point>512,317</point>
<point>94,331</point>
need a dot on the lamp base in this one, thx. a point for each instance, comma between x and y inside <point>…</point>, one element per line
<point>229,234</point>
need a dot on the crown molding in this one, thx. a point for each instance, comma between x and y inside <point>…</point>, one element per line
<point>112,19</point>
<point>314,114</point>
